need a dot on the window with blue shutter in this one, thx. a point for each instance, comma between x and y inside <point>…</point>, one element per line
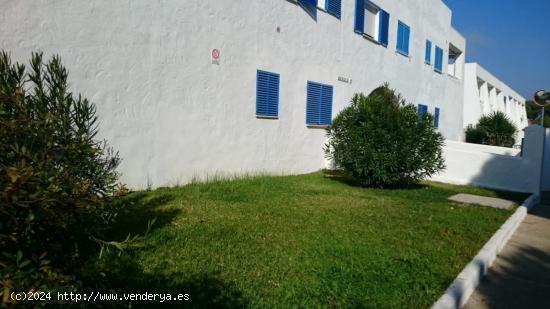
<point>359,25</point>
<point>372,21</point>
<point>308,2</point>
<point>310,6</point>
<point>318,104</point>
<point>403,36</point>
<point>267,94</point>
<point>384,28</point>
<point>436,117</point>
<point>438,66</point>
<point>422,111</point>
<point>428,57</point>
<point>334,7</point>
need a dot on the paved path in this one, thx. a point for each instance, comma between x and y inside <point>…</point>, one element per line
<point>520,276</point>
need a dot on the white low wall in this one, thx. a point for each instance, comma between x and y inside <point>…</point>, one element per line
<point>483,148</point>
<point>496,167</point>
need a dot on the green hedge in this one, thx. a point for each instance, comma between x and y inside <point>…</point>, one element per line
<point>56,178</point>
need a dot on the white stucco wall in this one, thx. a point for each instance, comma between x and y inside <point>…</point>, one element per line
<point>496,167</point>
<point>545,181</point>
<point>484,94</point>
<point>173,114</point>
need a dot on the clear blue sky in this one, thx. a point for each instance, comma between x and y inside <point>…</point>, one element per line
<point>510,38</point>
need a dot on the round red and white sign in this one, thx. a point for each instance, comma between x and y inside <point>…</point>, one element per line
<point>215,54</point>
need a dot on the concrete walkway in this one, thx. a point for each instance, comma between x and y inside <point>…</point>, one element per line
<point>520,276</point>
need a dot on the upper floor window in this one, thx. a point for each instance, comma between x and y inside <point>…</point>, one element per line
<point>310,6</point>
<point>372,21</point>
<point>308,2</point>
<point>333,7</point>
<point>403,36</point>
<point>436,117</point>
<point>428,57</point>
<point>438,65</point>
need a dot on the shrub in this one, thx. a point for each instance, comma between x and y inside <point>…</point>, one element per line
<point>474,135</point>
<point>381,141</point>
<point>56,179</point>
<point>495,129</point>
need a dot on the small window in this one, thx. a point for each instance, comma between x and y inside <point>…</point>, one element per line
<point>267,94</point>
<point>403,36</point>
<point>310,6</point>
<point>334,7</point>
<point>438,65</point>
<point>318,104</point>
<point>453,64</point>
<point>372,21</point>
<point>308,2</point>
<point>436,117</point>
<point>428,57</point>
<point>422,111</point>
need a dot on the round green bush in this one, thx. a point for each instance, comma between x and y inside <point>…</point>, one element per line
<point>496,129</point>
<point>381,141</point>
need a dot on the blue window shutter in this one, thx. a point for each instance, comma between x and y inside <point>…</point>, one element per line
<point>310,6</point>
<point>267,94</point>
<point>436,117</point>
<point>436,62</point>
<point>313,103</point>
<point>326,105</point>
<point>438,59</point>
<point>441,60</point>
<point>319,104</point>
<point>407,31</point>
<point>399,36</point>
<point>384,28</point>
<point>403,36</point>
<point>360,16</point>
<point>274,95</point>
<point>308,2</point>
<point>422,110</point>
<point>428,57</point>
<point>262,93</point>
<point>334,7</point>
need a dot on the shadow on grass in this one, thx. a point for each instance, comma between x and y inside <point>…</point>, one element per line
<point>345,178</point>
<point>123,275</point>
<point>121,272</point>
<point>137,209</point>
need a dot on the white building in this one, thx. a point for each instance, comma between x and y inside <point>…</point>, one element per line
<point>189,88</point>
<point>485,94</point>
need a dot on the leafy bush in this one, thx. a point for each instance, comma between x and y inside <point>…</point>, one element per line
<point>495,129</point>
<point>474,135</point>
<point>381,141</point>
<point>56,179</point>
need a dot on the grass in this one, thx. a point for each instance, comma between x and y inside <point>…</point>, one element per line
<point>301,241</point>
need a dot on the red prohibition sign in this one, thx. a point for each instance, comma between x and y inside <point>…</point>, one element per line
<point>215,54</point>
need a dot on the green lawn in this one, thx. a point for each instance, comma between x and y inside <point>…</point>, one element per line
<point>301,241</point>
